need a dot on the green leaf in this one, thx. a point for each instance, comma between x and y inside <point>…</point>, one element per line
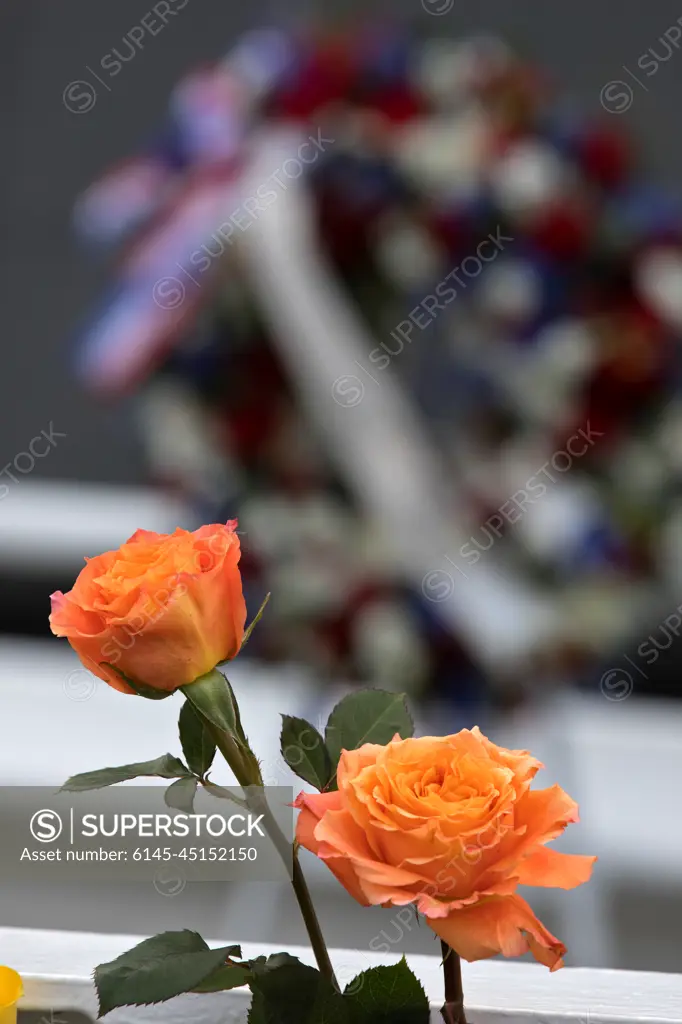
<point>180,795</point>
<point>367,716</point>
<point>165,767</point>
<point>232,976</point>
<point>305,752</point>
<point>212,696</point>
<point>197,745</point>
<point>387,995</point>
<point>238,719</point>
<point>259,614</point>
<point>221,793</point>
<point>273,962</point>
<point>288,992</point>
<point>141,689</point>
<point>158,969</point>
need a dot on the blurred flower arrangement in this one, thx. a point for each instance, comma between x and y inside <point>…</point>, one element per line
<point>522,280</point>
<point>448,825</point>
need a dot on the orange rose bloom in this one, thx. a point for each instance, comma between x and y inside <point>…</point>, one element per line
<point>164,609</point>
<point>451,825</point>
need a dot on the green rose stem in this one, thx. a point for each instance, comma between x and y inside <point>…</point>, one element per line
<point>453,1010</point>
<point>312,924</point>
<point>230,750</point>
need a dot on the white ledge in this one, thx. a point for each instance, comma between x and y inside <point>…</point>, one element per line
<point>51,525</point>
<point>57,969</point>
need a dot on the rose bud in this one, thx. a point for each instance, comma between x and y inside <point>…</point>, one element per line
<point>162,610</point>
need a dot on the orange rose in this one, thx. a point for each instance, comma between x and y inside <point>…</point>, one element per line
<point>164,609</point>
<point>451,825</point>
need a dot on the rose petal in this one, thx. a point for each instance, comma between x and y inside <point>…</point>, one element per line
<point>311,807</point>
<point>552,869</point>
<point>539,816</point>
<point>504,924</point>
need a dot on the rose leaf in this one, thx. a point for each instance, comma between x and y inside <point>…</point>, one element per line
<point>165,767</point>
<point>158,969</point>
<point>197,745</point>
<point>387,995</point>
<point>305,752</point>
<point>367,716</point>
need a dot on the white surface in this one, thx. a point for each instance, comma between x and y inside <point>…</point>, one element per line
<point>57,967</point>
<point>63,720</point>
<point>47,524</point>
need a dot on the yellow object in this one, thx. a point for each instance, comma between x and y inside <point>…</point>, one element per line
<point>11,991</point>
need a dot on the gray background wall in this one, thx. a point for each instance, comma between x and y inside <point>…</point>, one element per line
<point>48,155</point>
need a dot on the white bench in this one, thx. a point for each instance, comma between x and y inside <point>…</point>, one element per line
<point>57,969</point>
